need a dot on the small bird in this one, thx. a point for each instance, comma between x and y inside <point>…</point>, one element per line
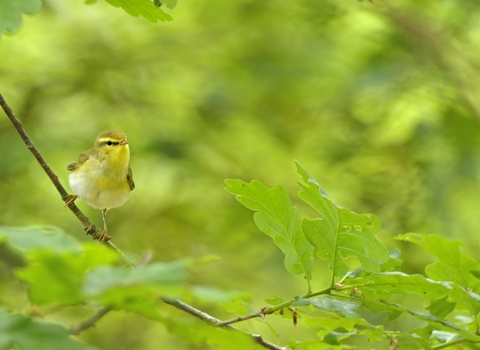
<point>102,176</point>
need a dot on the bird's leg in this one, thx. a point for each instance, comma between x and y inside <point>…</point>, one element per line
<point>103,236</point>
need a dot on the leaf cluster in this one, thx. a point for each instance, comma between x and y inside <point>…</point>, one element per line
<point>350,305</point>
<point>61,272</point>
<point>11,10</point>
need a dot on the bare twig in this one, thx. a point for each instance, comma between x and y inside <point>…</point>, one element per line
<point>79,328</point>
<point>223,324</point>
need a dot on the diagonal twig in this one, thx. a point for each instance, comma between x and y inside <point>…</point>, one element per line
<point>79,328</point>
<point>223,324</point>
<point>88,227</point>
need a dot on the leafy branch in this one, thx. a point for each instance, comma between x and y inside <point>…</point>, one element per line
<point>338,235</point>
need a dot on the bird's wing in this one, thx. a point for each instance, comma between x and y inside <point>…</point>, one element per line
<point>82,158</point>
<point>130,178</point>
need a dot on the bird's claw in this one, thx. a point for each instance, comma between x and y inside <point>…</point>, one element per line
<point>71,199</point>
<point>103,237</point>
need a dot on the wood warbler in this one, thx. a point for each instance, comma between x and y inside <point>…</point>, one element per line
<point>102,176</point>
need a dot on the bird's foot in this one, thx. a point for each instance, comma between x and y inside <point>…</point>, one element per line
<point>71,198</point>
<point>103,237</point>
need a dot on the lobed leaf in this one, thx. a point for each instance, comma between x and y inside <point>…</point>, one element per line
<point>58,278</point>
<point>339,233</point>
<point>382,285</point>
<point>347,308</point>
<point>20,332</point>
<point>437,323</point>
<point>12,10</point>
<point>171,4</point>
<point>276,217</point>
<point>442,294</point>
<point>144,8</point>
<point>441,307</point>
<point>136,290</point>
<point>452,264</point>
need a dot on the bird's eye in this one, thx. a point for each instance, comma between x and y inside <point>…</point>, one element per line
<point>109,143</point>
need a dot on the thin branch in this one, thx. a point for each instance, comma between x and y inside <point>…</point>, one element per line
<point>79,328</point>
<point>223,324</point>
<point>192,311</point>
<point>126,260</point>
<point>259,314</point>
<point>88,227</point>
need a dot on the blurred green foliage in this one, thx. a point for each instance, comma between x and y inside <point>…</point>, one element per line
<point>379,101</point>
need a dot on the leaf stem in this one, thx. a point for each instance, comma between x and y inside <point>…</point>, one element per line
<point>271,310</point>
<point>320,292</point>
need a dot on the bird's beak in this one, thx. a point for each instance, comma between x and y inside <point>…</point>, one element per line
<point>123,142</point>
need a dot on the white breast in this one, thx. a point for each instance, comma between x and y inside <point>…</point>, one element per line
<point>103,193</point>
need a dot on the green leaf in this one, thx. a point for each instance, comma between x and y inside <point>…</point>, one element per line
<point>58,278</point>
<point>276,217</point>
<point>437,323</point>
<point>136,290</point>
<point>334,338</point>
<point>34,238</point>
<point>382,285</point>
<point>11,13</point>
<point>452,264</point>
<point>20,332</point>
<point>444,337</point>
<point>144,8</point>
<point>106,278</point>
<point>347,308</point>
<point>441,307</point>
<point>378,307</point>
<point>274,301</point>
<point>340,328</point>
<point>347,323</point>
<point>171,4</point>
<point>340,233</point>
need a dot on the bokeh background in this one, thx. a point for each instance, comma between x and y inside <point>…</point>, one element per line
<point>379,101</point>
